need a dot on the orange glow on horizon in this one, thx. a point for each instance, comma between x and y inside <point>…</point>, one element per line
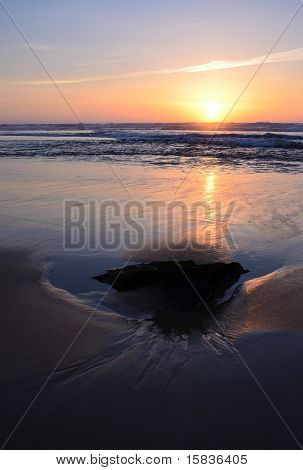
<point>181,98</point>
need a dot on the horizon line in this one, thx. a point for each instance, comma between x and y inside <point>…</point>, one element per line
<point>144,122</point>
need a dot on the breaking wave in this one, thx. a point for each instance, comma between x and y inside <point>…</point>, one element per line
<point>262,146</point>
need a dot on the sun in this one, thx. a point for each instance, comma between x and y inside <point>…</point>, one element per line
<point>211,110</point>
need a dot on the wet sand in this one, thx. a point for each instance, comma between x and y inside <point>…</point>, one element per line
<point>269,303</point>
<point>124,385</point>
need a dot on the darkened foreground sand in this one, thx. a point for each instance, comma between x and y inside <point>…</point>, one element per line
<point>125,385</point>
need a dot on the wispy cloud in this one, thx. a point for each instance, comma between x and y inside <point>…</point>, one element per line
<point>292,55</point>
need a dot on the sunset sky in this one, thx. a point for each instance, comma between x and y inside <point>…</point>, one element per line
<point>139,60</point>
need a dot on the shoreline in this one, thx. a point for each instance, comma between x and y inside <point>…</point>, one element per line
<point>123,385</point>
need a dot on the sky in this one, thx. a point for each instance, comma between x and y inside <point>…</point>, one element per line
<point>150,61</point>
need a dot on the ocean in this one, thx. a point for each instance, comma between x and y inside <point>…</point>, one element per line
<point>252,147</point>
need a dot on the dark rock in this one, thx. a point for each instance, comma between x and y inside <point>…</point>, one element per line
<point>184,282</point>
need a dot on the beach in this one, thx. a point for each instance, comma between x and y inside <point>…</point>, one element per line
<point>123,385</point>
<point>84,366</point>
